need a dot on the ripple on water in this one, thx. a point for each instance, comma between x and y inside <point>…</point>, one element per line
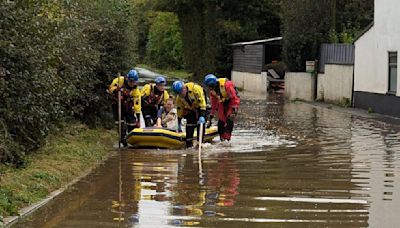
<point>245,141</point>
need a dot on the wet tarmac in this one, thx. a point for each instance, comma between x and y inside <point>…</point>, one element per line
<point>288,165</point>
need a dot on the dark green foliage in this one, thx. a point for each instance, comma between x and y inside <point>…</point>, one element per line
<point>142,17</point>
<point>10,151</point>
<point>58,57</point>
<point>308,23</point>
<point>352,16</point>
<point>209,26</point>
<point>164,48</point>
<point>111,33</point>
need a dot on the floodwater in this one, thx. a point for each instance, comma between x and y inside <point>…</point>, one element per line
<point>288,165</point>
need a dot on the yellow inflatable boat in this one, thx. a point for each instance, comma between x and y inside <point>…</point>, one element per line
<point>164,138</point>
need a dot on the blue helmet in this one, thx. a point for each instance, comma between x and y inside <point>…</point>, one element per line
<point>160,80</point>
<point>210,80</point>
<point>133,75</point>
<point>177,87</point>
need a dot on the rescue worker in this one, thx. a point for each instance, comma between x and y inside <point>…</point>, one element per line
<point>130,102</point>
<point>191,105</point>
<point>167,116</point>
<point>154,96</point>
<point>224,99</point>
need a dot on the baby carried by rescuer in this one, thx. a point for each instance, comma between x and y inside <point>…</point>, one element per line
<point>167,116</point>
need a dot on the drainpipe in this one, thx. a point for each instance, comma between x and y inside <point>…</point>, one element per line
<point>352,90</point>
<point>352,87</point>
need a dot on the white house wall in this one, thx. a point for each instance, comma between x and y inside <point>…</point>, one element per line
<point>387,20</point>
<point>387,27</point>
<point>371,50</point>
<point>365,70</point>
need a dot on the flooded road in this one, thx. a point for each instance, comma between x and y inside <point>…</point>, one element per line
<point>288,165</point>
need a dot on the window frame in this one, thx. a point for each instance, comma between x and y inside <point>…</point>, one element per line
<point>390,66</point>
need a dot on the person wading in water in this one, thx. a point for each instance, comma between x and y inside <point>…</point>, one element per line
<point>154,96</point>
<point>191,105</point>
<point>130,100</point>
<point>225,101</point>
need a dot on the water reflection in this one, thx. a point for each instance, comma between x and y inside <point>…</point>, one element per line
<point>376,163</point>
<point>154,176</point>
<point>288,165</point>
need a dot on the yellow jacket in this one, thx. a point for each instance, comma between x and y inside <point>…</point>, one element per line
<point>196,97</point>
<point>148,92</point>
<point>134,95</point>
<point>117,83</point>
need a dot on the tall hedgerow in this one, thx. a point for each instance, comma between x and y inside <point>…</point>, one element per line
<point>57,58</point>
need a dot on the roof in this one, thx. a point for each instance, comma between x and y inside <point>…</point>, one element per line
<point>257,42</point>
<point>365,30</point>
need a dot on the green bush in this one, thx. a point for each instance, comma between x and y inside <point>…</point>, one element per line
<point>58,58</point>
<point>110,32</point>
<point>308,23</point>
<point>164,48</point>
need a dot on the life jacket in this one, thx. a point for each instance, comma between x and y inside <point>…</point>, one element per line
<point>150,96</point>
<point>221,93</point>
<point>121,82</point>
<point>136,100</point>
<point>194,99</point>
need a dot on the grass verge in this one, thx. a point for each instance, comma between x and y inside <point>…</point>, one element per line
<point>176,74</point>
<point>66,155</point>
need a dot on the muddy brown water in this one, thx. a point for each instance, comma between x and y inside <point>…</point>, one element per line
<point>288,165</point>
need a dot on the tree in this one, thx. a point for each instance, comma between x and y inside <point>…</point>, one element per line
<point>164,48</point>
<point>306,24</point>
<point>209,26</point>
<point>352,17</point>
<point>142,16</point>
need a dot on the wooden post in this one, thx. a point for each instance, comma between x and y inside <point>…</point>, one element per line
<point>200,141</point>
<point>119,119</point>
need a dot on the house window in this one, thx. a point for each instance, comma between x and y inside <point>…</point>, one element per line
<point>392,72</point>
